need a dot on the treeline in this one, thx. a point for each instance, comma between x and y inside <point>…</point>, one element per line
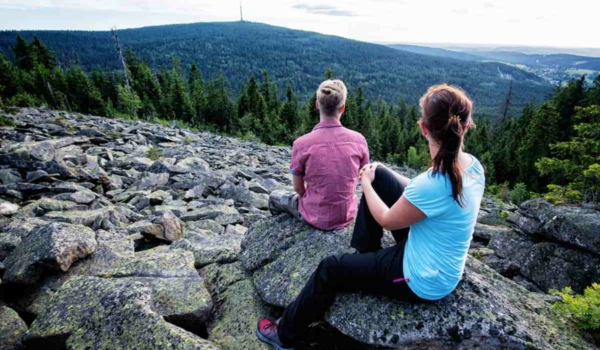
<point>551,148</point>
<point>298,58</point>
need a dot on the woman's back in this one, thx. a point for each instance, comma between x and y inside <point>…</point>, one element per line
<point>437,245</point>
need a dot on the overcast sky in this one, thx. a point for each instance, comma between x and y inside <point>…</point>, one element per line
<point>562,23</point>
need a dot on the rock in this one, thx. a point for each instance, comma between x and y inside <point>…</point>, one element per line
<point>209,248</point>
<point>548,265</point>
<point>244,197</point>
<point>54,246</point>
<point>99,218</point>
<point>236,230</point>
<point>568,225</point>
<point>212,213</point>
<point>9,176</point>
<point>12,329</point>
<point>190,165</point>
<point>486,232</point>
<point>209,225</point>
<point>11,235</point>
<point>8,209</point>
<point>159,167</point>
<point>79,197</point>
<point>486,310</point>
<point>239,308</point>
<point>195,192</point>
<point>91,312</point>
<point>152,181</point>
<point>551,247</point>
<point>255,187</point>
<point>35,151</point>
<point>167,227</point>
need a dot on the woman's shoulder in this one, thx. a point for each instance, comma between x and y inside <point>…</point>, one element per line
<point>430,182</point>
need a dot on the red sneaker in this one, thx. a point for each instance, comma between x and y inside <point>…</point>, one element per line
<point>267,333</point>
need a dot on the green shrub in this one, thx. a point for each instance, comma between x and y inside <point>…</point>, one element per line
<point>519,193</point>
<point>4,121</point>
<point>584,309</point>
<point>154,153</point>
<point>22,100</point>
<point>413,160</point>
<point>562,195</point>
<point>248,136</point>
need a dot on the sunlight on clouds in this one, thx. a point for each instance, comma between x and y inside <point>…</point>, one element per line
<point>514,22</point>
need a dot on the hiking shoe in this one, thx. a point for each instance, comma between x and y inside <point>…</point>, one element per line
<point>266,332</point>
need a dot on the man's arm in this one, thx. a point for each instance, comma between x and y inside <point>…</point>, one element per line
<point>299,186</point>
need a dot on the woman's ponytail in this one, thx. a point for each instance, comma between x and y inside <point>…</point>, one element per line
<point>446,113</point>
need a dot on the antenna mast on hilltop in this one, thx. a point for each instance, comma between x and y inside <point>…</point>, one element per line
<point>241,13</point>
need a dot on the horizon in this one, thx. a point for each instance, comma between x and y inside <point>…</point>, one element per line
<point>455,46</point>
<point>506,24</point>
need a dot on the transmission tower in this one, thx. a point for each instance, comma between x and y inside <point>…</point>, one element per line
<point>241,13</point>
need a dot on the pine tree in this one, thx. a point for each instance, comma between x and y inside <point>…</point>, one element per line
<point>42,54</point>
<point>24,55</point>
<point>82,95</point>
<point>575,163</point>
<point>289,114</point>
<point>220,110</point>
<point>197,93</point>
<point>541,132</point>
<point>179,98</point>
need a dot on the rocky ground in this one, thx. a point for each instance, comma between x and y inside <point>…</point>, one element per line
<point>103,247</point>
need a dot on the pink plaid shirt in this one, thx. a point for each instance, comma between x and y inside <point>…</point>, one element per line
<point>329,159</point>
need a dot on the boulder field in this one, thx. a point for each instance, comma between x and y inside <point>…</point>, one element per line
<point>119,234</point>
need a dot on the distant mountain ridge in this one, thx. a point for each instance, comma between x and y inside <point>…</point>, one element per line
<point>554,67</point>
<point>241,49</point>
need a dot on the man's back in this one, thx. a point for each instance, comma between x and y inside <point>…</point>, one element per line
<point>329,159</point>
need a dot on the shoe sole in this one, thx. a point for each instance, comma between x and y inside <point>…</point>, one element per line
<point>263,339</point>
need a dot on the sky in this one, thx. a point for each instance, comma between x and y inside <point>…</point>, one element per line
<point>555,23</point>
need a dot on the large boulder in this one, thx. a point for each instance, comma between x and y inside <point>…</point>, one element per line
<point>54,246</point>
<point>99,313</point>
<point>568,225</point>
<point>486,310</point>
<point>12,329</point>
<point>238,307</point>
<point>552,247</point>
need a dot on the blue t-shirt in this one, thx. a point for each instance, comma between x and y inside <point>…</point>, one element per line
<point>437,246</point>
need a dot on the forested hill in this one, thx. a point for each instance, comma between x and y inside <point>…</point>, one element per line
<point>240,49</point>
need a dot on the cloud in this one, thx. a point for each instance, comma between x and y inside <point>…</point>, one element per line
<point>461,11</point>
<point>326,10</point>
<point>489,5</point>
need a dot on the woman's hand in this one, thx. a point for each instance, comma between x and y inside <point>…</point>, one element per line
<point>367,173</point>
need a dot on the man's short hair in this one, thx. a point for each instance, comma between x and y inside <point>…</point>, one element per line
<point>331,96</point>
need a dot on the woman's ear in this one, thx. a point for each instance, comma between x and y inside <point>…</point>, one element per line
<point>424,130</point>
<point>317,105</point>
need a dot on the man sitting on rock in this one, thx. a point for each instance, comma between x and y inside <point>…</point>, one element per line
<point>325,166</point>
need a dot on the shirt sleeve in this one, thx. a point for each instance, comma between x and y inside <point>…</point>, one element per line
<point>297,163</point>
<point>428,194</point>
<point>365,156</point>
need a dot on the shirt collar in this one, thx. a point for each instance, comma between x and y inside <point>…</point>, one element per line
<point>333,123</point>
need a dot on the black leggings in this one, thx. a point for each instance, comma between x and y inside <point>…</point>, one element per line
<point>373,271</point>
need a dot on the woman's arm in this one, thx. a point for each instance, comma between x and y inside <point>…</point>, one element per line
<point>402,214</point>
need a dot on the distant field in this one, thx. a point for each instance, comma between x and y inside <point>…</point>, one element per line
<point>579,71</point>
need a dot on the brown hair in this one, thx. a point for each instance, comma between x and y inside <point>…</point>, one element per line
<point>446,113</point>
<point>331,96</point>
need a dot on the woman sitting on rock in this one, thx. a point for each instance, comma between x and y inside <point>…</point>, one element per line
<point>432,218</point>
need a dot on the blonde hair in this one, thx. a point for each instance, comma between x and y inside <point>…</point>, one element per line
<point>331,96</point>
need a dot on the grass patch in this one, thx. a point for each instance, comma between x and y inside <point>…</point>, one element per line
<point>154,153</point>
<point>4,121</point>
